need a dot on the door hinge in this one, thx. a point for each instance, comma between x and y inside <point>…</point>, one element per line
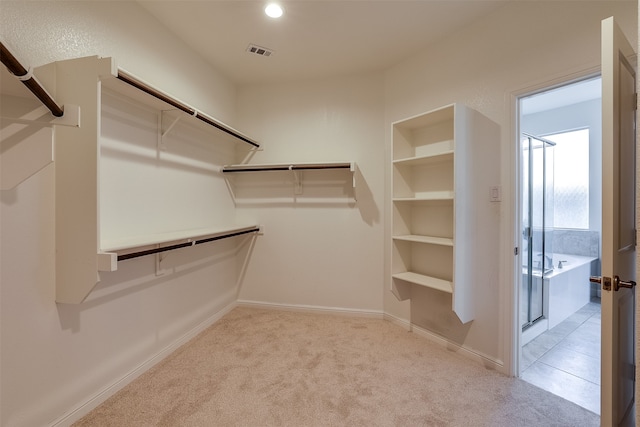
<point>515,250</point>
<point>635,101</point>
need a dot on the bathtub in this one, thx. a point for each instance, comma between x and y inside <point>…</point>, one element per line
<point>566,289</point>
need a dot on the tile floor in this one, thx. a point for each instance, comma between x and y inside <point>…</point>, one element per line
<point>565,360</point>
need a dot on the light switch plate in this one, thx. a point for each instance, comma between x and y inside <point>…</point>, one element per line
<point>495,193</point>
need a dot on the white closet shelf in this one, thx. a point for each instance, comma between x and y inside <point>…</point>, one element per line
<point>427,197</point>
<point>294,168</point>
<point>135,243</point>
<point>425,239</point>
<point>426,159</point>
<point>155,98</point>
<point>123,249</point>
<point>426,281</point>
<point>263,167</point>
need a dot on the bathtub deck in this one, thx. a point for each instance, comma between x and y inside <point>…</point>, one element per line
<point>568,288</point>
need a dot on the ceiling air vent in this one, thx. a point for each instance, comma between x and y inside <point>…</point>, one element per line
<point>259,50</point>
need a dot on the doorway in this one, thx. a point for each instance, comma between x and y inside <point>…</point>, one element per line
<point>560,224</point>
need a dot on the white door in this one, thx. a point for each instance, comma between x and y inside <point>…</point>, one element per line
<point>618,227</point>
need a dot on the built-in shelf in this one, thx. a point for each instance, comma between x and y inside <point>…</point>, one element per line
<point>135,243</point>
<point>442,241</point>
<point>264,167</point>
<point>426,159</point>
<point>295,168</point>
<point>442,164</point>
<point>426,281</point>
<point>150,95</point>
<point>426,197</point>
<point>142,246</point>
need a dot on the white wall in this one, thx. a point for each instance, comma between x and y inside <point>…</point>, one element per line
<point>520,47</point>
<point>320,248</point>
<point>56,356</point>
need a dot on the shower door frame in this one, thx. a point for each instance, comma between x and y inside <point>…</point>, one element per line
<point>529,229</point>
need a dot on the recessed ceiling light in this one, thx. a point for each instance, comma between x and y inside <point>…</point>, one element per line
<point>273,10</point>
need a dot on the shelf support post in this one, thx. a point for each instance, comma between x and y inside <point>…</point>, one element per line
<point>297,180</point>
<point>159,258</point>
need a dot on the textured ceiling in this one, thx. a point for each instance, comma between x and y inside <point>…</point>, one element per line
<point>319,38</point>
<point>314,37</point>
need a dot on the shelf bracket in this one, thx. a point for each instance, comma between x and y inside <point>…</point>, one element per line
<point>160,256</point>
<point>162,132</point>
<point>297,180</point>
<point>173,123</point>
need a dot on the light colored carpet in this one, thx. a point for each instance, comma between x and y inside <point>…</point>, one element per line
<point>276,368</point>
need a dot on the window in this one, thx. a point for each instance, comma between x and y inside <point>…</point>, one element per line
<point>571,179</point>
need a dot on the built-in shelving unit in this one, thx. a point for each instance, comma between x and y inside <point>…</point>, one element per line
<point>438,196</point>
<point>84,246</point>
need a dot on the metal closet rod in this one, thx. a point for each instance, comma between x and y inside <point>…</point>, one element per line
<point>27,78</point>
<point>127,78</point>
<point>250,168</point>
<point>184,245</point>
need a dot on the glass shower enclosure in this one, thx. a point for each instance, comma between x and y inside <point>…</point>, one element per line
<point>537,227</point>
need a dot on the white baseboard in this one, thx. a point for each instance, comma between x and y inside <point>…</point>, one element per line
<point>356,312</point>
<point>403,323</point>
<point>483,359</point>
<point>94,401</point>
